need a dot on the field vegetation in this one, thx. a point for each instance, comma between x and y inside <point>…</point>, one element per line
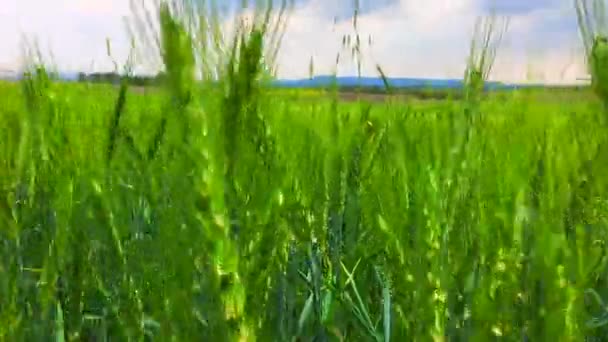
<point>217,209</point>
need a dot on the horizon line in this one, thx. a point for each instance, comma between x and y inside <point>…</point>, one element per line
<point>580,81</point>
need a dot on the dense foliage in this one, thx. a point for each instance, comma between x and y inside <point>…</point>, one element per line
<point>228,213</point>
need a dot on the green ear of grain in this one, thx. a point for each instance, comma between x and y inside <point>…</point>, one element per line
<point>178,55</point>
<point>593,28</point>
<point>487,36</point>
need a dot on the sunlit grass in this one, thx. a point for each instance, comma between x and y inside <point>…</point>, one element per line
<point>198,212</point>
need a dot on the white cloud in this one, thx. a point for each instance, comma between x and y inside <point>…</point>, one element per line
<point>431,39</point>
<point>406,39</point>
<point>73,30</point>
<point>411,38</point>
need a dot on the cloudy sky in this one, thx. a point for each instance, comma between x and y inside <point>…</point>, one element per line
<point>410,38</point>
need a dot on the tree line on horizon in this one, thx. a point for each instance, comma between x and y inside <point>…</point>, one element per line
<point>116,78</point>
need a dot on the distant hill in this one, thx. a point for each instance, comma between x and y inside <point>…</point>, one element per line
<point>343,82</point>
<point>377,82</point>
<point>16,76</point>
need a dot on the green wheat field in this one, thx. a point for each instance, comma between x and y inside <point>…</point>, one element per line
<point>225,210</point>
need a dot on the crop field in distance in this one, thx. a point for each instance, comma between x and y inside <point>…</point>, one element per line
<point>222,209</point>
